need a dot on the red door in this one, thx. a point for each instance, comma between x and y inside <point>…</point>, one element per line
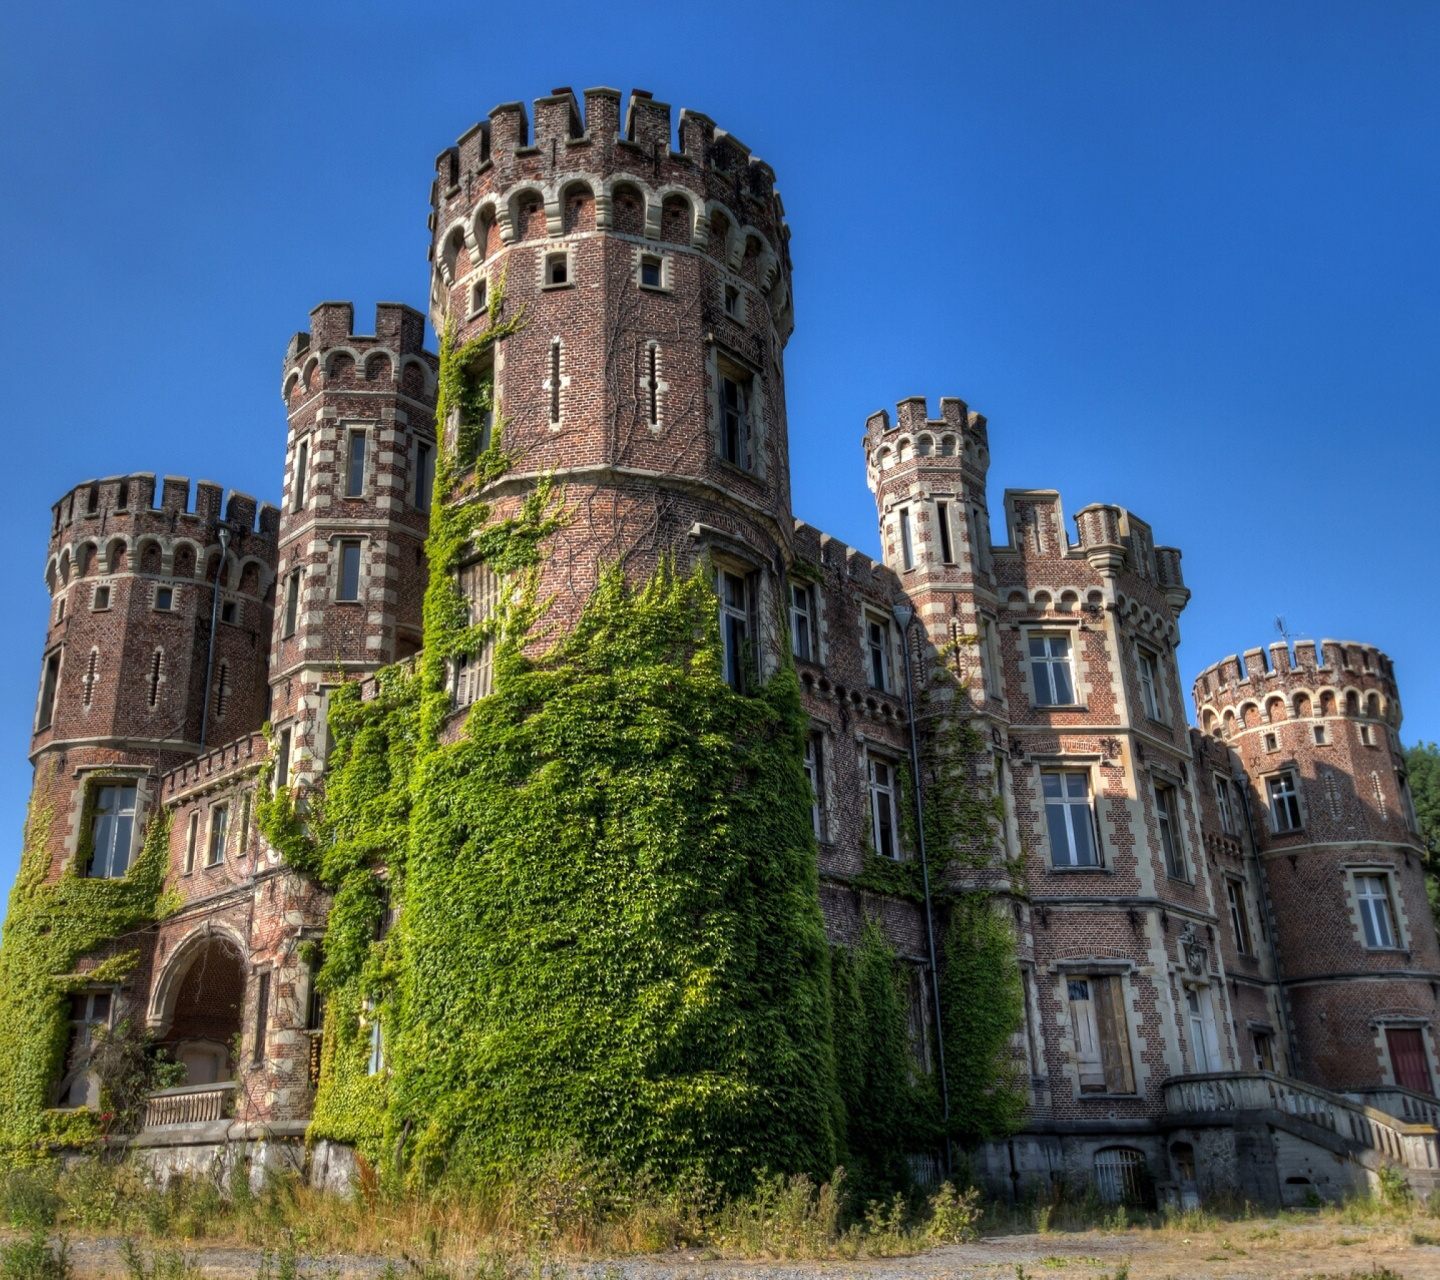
<point>1407,1057</point>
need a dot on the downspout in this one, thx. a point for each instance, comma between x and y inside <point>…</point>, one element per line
<point>214,623</point>
<point>1242,781</point>
<point>904,616</point>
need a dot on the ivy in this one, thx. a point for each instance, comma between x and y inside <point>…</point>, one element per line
<point>49,928</point>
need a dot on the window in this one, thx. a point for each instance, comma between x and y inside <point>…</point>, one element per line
<point>1284,802</point>
<point>474,676</point>
<point>376,1063</point>
<point>192,833</point>
<point>1262,1046</point>
<point>877,652</point>
<point>101,599</point>
<point>262,1017</point>
<point>1320,738</point>
<point>652,384</point>
<point>554,381</point>
<point>1272,742</point>
<point>557,270</point>
<point>123,496</point>
<point>355,466</point>
<point>292,603</point>
<point>942,525</point>
<point>1102,1038</point>
<point>1373,894</point>
<point>111,828</point>
<point>47,691</point>
<point>652,271</point>
<point>164,599</point>
<point>92,501</point>
<point>814,772</point>
<point>478,296</point>
<point>1222,803</point>
<point>735,628</point>
<point>1409,1063</point>
<point>222,691</point>
<point>89,1011</point>
<point>734,425</point>
<point>1367,737</point>
<point>1167,817</point>
<point>802,623</point>
<point>1239,916</point>
<point>302,466</point>
<point>882,808</point>
<point>1147,684</point>
<point>424,475</point>
<point>732,302</point>
<point>92,666</point>
<point>1069,819</point>
<point>1050,670</point>
<point>219,822</point>
<point>60,609</point>
<point>282,760</point>
<point>1121,1176</point>
<point>907,550</point>
<point>349,585</point>
<point>228,612</point>
<point>1204,1041</point>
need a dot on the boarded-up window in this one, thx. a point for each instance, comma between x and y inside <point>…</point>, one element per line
<point>1102,1039</point>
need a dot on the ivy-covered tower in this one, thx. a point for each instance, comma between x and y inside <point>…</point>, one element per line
<point>360,460</point>
<point>653,273</point>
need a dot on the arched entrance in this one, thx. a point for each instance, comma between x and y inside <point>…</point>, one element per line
<point>197,1008</point>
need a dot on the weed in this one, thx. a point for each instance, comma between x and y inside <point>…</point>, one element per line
<point>953,1215</point>
<point>32,1258</point>
<point>1424,1237</point>
<point>169,1262</point>
<point>28,1197</point>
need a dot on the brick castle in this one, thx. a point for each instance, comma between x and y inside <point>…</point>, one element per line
<point>1229,961</point>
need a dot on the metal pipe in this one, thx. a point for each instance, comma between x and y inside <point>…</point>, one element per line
<point>214,624</point>
<point>904,616</point>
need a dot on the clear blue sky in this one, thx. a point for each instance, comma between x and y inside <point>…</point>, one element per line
<point>1182,256</point>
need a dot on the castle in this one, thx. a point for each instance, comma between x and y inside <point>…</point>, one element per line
<point>1228,959</point>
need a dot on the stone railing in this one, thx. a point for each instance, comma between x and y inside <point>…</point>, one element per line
<point>190,1104</point>
<point>1403,1104</point>
<point>1395,1141</point>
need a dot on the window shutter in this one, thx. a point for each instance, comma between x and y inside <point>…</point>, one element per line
<point>1114,1035</point>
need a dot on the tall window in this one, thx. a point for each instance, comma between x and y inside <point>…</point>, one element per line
<point>907,550</point>
<point>47,691</point>
<point>355,465</point>
<point>282,760</point>
<point>1069,818</point>
<point>1167,817</point>
<point>1262,1044</point>
<point>1147,684</point>
<point>815,773</point>
<point>1102,1037</point>
<point>1373,894</point>
<point>111,829</point>
<point>376,1063</point>
<point>262,1017</point>
<point>349,585</point>
<point>292,603</point>
<point>1284,802</point>
<point>297,486</point>
<point>1222,803</point>
<point>222,691</point>
<point>882,808</point>
<point>1204,1041</point>
<point>734,421</point>
<point>219,824</point>
<point>1239,916</point>
<point>1050,671</point>
<point>802,621</point>
<point>92,669</point>
<point>652,384</point>
<point>735,628</point>
<point>192,834</point>
<point>555,381</point>
<point>942,525</point>
<point>877,652</point>
<point>424,475</point>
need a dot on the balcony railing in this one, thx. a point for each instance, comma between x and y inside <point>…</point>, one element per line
<point>1411,1144</point>
<point>1403,1104</point>
<point>189,1104</point>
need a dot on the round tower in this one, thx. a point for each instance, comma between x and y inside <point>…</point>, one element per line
<point>359,463</point>
<point>653,273</point>
<point>1317,754</point>
<point>131,684</point>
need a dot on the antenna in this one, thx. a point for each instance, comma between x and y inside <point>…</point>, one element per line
<point>1285,634</point>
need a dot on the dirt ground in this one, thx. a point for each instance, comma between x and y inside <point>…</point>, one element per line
<point>1234,1251</point>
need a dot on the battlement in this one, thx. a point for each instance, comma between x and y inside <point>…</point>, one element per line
<point>1334,665</point>
<point>913,424</point>
<point>331,353</point>
<point>117,504</point>
<point>398,328</point>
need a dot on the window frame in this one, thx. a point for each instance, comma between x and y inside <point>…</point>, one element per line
<point>123,819</point>
<point>1107,1004</point>
<point>290,616</point>
<point>164,601</point>
<point>907,540</point>
<point>1066,802</point>
<point>1239,903</point>
<point>661,263</point>
<point>1283,786</point>
<point>736,430</point>
<point>1049,662</point>
<point>300,474</point>
<point>1386,896</point>
<point>814,766</point>
<point>1224,804</point>
<point>942,528</point>
<point>217,833</point>
<point>802,619</point>
<point>344,547</point>
<point>737,663</point>
<point>424,475</point>
<point>1148,668</point>
<point>884,806</point>
<point>878,652</point>
<point>356,436</point>
<point>1168,819</point>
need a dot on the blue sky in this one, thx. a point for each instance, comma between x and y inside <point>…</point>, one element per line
<point>1182,256</point>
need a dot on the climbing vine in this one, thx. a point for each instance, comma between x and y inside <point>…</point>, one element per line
<point>50,926</point>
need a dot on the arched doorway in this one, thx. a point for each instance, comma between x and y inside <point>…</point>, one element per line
<point>201,1000</point>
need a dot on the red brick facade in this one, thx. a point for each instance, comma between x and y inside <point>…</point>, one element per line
<point>1166,926</point>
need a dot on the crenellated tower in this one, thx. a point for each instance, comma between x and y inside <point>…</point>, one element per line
<point>130,680</point>
<point>653,271</point>
<point>359,464</point>
<point>1313,738</point>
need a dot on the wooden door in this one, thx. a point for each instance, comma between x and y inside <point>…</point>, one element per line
<point>1407,1058</point>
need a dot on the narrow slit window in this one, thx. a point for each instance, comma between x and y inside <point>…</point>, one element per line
<point>877,644</point>
<point>292,603</point>
<point>282,760</point>
<point>907,549</point>
<point>262,1018</point>
<point>192,834</point>
<point>349,571</point>
<point>802,622</point>
<point>47,691</point>
<point>942,525</point>
<point>555,382</point>
<point>355,466</point>
<point>222,691</point>
<point>424,475</point>
<point>92,667</point>
<point>302,465</point>
<point>219,822</point>
<point>652,384</point>
<point>883,822</point>
<point>157,669</point>
<point>734,423</point>
<point>732,302</point>
<point>1239,916</point>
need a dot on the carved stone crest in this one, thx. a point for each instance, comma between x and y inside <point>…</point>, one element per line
<point>1196,953</point>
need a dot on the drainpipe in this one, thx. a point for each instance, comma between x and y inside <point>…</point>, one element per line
<point>1242,785</point>
<point>214,623</point>
<point>904,615</point>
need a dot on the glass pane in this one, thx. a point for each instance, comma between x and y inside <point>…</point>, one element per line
<point>100,1006</point>
<point>1052,783</point>
<point>125,797</point>
<point>350,572</point>
<point>1084,845</point>
<point>1060,674</point>
<point>1060,851</point>
<point>1037,647</point>
<point>1077,786</point>
<point>1079,989</point>
<point>734,591</point>
<point>120,853</point>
